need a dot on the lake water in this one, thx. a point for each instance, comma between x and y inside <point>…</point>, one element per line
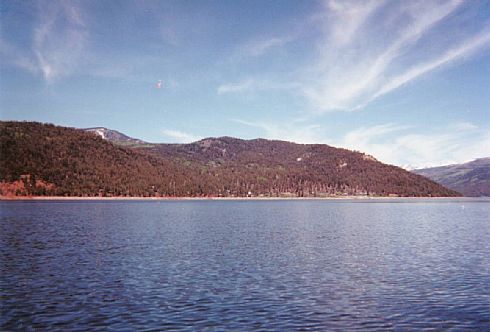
<point>245,265</point>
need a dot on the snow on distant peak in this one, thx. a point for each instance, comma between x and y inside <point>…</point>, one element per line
<point>100,132</point>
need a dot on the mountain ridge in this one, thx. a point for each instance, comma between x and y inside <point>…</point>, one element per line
<point>75,162</point>
<point>471,178</point>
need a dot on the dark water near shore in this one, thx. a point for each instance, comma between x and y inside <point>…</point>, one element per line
<point>245,265</point>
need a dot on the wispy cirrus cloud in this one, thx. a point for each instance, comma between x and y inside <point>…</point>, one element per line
<point>268,43</point>
<point>242,86</point>
<point>372,48</point>
<point>253,85</point>
<point>59,39</point>
<point>462,50</point>
<point>368,49</point>
<point>260,47</point>
<point>345,18</point>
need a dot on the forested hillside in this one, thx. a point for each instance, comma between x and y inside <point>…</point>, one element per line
<point>78,163</point>
<point>278,167</point>
<point>471,179</point>
<point>41,159</point>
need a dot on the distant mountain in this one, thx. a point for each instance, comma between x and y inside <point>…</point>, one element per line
<point>40,159</point>
<point>471,179</point>
<point>116,136</point>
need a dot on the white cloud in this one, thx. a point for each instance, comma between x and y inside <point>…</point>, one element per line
<point>287,131</point>
<point>372,48</point>
<point>367,134</point>
<point>267,43</point>
<point>346,17</point>
<point>402,146</point>
<point>260,47</point>
<point>253,85</point>
<point>465,49</point>
<point>368,49</point>
<point>236,87</point>
<point>59,40</point>
<point>463,126</point>
<point>180,137</point>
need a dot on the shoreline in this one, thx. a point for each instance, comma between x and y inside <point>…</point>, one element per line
<point>71,198</point>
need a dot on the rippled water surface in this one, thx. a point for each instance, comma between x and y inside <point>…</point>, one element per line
<point>245,265</point>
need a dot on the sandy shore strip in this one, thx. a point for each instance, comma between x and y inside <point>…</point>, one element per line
<point>339,198</point>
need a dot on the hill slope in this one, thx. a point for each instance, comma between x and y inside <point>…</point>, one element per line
<point>471,179</point>
<point>70,161</point>
<point>274,167</point>
<point>73,162</point>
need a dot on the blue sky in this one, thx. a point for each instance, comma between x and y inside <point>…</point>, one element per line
<point>405,81</point>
